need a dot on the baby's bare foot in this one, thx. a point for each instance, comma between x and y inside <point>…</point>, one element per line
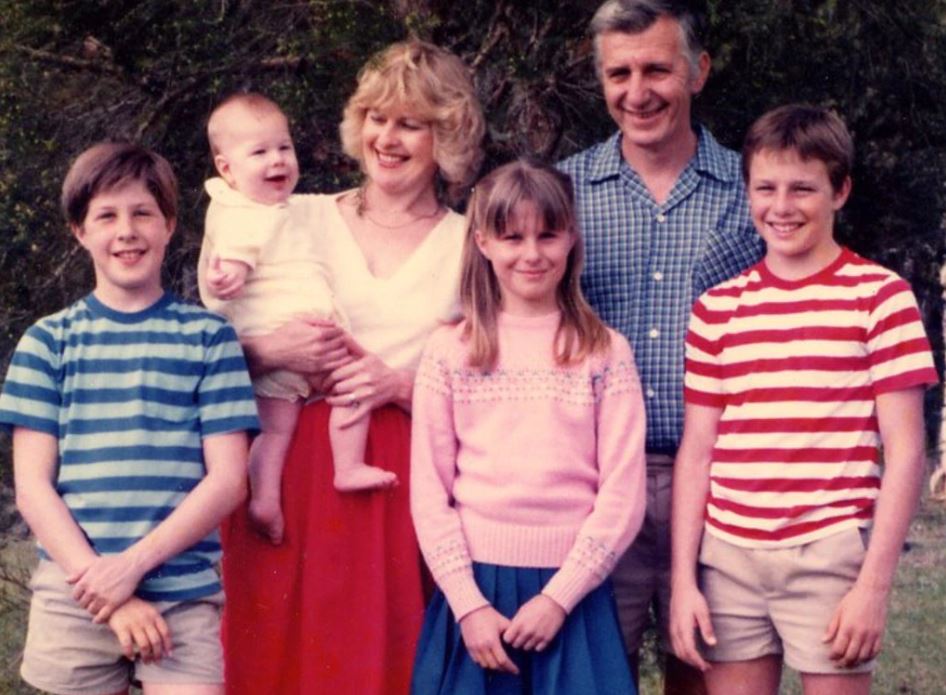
<point>267,520</point>
<point>363,477</point>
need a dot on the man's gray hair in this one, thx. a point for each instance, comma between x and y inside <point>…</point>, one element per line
<point>635,16</point>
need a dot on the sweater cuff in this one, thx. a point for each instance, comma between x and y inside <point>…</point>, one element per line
<point>569,585</point>
<point>462,593</point>
<point>587,565</point>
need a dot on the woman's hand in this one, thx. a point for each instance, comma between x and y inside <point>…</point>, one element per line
<point>306,345</point>
<point>366,383</point>
<point>481,630</point>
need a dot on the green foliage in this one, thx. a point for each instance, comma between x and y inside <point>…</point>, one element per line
<point>73,72</point>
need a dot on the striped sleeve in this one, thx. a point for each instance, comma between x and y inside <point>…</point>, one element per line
<point>31,395</point>
<point>225,395</point>
<point>703,381</point>
<point>899,351</point>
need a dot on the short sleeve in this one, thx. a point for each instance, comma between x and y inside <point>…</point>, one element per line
<point>225,395</point>
<point>703,380</point>
<point>32,396</point>
<point>898,350</point>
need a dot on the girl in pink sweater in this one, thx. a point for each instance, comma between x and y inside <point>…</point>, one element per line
<point>527,459</point>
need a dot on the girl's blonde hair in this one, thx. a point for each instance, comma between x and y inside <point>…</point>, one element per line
<point>435,86</point>
<point>494,202</point>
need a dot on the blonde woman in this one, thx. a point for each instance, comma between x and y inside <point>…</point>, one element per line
<point>337,608</point>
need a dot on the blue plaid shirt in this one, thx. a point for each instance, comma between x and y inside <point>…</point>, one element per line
<point>647,263</point>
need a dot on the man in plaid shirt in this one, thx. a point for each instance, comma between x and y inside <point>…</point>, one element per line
<point>664,215</point>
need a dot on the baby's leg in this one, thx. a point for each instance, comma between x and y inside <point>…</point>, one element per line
<point>267,456</point>
<point>348,451</point>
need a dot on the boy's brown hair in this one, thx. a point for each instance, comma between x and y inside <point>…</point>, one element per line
<point>110,165</point>
<point>811,131</point>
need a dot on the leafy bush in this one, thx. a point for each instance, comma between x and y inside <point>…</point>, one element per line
<point>74,72</point>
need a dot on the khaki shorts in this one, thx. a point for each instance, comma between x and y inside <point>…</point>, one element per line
<point>641,578</point>
<point>67,653</point>
<point>779,601</point>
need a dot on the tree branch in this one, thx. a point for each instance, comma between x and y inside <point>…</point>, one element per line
<point>68,61</point>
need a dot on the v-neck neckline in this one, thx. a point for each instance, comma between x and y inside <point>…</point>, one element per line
<point>360,254</point>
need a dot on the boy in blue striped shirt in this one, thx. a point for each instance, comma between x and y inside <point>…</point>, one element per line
<point>129,411</point>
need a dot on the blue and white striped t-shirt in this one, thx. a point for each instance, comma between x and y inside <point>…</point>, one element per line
<point>130,396</point>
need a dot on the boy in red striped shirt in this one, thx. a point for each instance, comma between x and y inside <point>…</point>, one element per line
<point>796,371</point>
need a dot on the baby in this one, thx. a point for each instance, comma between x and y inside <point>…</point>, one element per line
<point>260,267</point>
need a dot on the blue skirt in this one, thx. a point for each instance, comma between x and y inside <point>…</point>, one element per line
<point>586,657</point>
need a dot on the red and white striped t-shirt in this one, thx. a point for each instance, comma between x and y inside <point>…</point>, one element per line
<point>796,367</point>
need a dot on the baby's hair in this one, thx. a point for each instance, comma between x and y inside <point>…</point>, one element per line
<point>111,165</point>
<point>251,101</point>
<point>495,201</point>
<point>811,131</point>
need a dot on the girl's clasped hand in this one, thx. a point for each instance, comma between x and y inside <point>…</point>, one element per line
<point>533,627</point>
<point>527,465</point>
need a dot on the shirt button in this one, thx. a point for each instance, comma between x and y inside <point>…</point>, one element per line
<point>658,276</point>
<point>654,333</point>
<point>650,393</point>
<point>661,217</point>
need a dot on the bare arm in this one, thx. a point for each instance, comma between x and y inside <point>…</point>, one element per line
<point>306,345</point>
<point>35,455</point>
<point>108,581</point>
<point>856,629</point>
<point>691,483</point>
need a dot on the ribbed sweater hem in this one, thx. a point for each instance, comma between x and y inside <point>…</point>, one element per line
<point>517,545</point>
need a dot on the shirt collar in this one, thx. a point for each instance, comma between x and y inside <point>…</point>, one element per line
<point>710,158</point>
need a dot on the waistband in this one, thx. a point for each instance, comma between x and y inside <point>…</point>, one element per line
<point>660,459</point>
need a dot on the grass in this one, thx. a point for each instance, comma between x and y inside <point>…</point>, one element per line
<point>16,558</point>
<point>913,661</point>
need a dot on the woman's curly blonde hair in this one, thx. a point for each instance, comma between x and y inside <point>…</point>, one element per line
<point>433,85</point>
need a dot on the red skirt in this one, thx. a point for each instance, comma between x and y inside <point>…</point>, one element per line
<point>337,608</point>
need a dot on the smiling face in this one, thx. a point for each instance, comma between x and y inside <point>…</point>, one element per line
<point>397,150</point>
<point>793,204</point>
<point>256,155</point>
<point>648,84</point>
<point>126,234</point>
<point>529,261</point>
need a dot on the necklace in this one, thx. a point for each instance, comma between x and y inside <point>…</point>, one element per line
<point>411,221</point>
<point>361,208</point>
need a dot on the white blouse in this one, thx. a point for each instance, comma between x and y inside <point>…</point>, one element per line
<point>392,316</point>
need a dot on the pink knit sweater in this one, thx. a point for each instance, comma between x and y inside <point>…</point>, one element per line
<point>529,465</point>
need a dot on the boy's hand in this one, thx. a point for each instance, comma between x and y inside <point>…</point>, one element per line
<point>535,624</point>
<point>141,628</point>
<point>689,611</point>
<point>856,629</point>
<point>225,279</point>
<point>105,584</point>
<point>481,632</point>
